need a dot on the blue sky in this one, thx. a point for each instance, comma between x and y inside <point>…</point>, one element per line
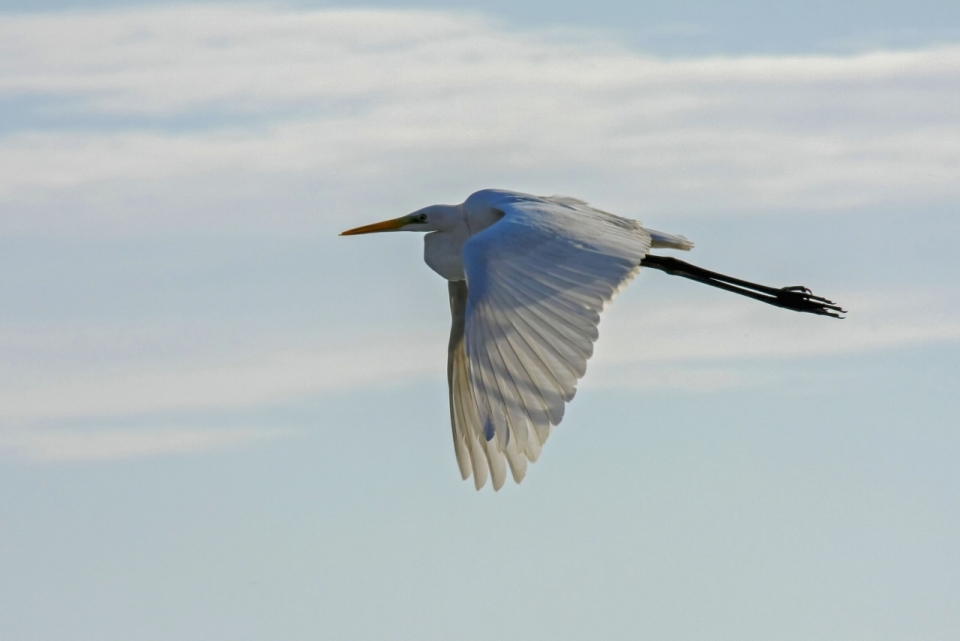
<point>220,420</point>
<point>701,27</point>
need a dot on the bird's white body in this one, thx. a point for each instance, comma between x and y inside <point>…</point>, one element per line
<point>451,226</point>
<point>529,277</point>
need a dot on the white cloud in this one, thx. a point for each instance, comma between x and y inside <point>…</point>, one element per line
<point>64,445</point>
<point>738,329</point>
<point>655,376</point>
<point>217,119</point>
<point>702,346</point>
<point>274,377</point>
<point>361,104</point>
<point>675,345</point>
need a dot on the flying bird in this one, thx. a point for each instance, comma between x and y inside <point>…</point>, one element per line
<point>528,277</point>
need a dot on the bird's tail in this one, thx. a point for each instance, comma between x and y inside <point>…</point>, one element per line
<point>660,240</point>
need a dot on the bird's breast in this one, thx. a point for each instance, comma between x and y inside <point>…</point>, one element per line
<point>443,253</point>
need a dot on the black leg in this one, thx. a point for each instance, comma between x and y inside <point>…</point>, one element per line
<point>799,299</point>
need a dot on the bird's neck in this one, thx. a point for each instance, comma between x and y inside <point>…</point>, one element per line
<point>443,252</point>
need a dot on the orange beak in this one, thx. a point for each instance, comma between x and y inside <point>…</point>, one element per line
<point>387,225</point>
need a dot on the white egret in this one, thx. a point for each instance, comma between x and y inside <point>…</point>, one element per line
<point>528,277</point>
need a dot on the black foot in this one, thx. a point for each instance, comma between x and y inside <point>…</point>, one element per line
<point>801,299</point>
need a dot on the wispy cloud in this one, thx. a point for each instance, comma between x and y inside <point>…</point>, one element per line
<point>66,445</point>
<point>374,102</point>
<point>270,378</point>
<point>677,345</point>
<point>705,346</point>
<point>736,330</point>
<point>224,119</point>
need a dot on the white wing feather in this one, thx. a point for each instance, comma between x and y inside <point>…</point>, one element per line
<point>538,280</point>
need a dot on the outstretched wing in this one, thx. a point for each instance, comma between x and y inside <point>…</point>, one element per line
<point>538,280</point>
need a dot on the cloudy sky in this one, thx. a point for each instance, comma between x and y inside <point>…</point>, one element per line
<point>219,420</point>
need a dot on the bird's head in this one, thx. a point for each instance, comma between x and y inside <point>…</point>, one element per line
<point>433,218</point>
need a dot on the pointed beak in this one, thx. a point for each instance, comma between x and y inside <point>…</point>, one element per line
<point>388,225</point>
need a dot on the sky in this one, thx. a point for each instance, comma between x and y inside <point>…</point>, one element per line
<point>220,420</point>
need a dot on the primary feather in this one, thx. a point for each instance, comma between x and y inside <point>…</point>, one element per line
<point>525,320</point>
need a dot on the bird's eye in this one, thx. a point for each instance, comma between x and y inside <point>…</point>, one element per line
<point>422,218</point>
